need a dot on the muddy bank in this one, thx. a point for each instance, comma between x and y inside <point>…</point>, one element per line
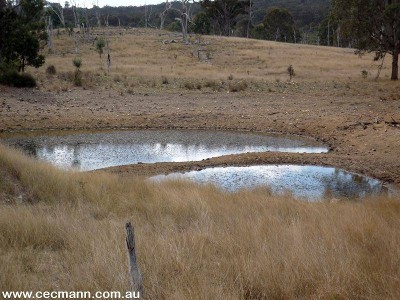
<point>360,129</point>
<point>248,159</point>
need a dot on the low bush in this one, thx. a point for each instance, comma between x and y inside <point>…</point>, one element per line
<point>13,78</point>
<point>51,70</point>
<point>78,78</point>
<point>77,62</point>
<point>238,86</point>
<point>189,85</point>
<point>213,84</point>
<point>364,74</point>
<point>164,80</point>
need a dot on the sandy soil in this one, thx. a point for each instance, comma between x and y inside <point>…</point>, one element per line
<point>362,130</point>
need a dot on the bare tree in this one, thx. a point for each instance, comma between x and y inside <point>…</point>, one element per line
<point>185,18</point>
<point>147,15</point>
<point>77,25</point>
<point>75,13</point>
<point>163,15</point>
<point>277,34</point>
<point>249,22</point>
<point>49,30</point>
<point>97,13</point>
<point>59,11</point>
<point>106,20</point>
<point>87,31</point>
<point>294,35</point>
<point>338,35</point>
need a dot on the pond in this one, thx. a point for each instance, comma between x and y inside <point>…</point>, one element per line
<point>311,183</point>
<point>95,150</point>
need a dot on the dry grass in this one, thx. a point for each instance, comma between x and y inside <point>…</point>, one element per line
<point>67,233</point>
<point>140,61</point>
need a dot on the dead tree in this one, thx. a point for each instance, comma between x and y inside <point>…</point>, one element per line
<point>147,16</point>
<point>87,25</point>
<point>249,22</point>
<point>277,34</point>
<point>76,17</point>
<point>163,15</point>
<point>49,30</point>
<point>77,25</point>
<point>184,18</point>
<point>98,18</point>
<point>59,11</point>
<point>97,13</point>
<point>294,35</point>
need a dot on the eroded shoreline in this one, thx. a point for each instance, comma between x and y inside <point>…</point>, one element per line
<point>354,127</point>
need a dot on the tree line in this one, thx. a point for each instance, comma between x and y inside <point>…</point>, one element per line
<point>367,25</point>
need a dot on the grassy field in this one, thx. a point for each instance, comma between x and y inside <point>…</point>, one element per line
<point>64,230</point>
<point>141,61</point>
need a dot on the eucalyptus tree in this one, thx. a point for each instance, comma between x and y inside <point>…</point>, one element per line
<point>225,13</point>
<point>373,25</point>
<point>279,25</point>
<point>22,33</point>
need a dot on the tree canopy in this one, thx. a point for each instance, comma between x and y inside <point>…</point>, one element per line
<point>279,25</point>
<point>21,33</point>
<point>373,25</point>
<point>224,13</point>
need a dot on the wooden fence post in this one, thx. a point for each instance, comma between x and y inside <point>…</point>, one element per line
<point>136,277</point>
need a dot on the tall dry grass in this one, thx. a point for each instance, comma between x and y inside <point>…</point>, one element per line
<point>194,242</point>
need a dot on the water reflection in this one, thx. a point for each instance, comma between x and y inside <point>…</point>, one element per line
<point>308,182</point>
<point>91,151</point>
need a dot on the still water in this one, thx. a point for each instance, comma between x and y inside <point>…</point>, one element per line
<point>305,182</point>
<point>90,151</point>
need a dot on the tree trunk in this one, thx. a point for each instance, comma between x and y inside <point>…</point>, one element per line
<point>329,38</point>
<point>395,65</point>
<point>249,21</point>
<point>162,16</point>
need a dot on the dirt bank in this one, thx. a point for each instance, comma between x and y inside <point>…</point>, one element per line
<point>362,130</point>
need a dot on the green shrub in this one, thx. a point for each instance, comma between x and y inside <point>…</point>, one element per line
<point>100,44</point>
<point>77,62</point>
<point>13,78</point>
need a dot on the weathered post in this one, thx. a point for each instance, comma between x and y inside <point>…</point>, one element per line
<point>136,277</point>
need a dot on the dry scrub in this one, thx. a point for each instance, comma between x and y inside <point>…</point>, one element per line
<point>66,232</point>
